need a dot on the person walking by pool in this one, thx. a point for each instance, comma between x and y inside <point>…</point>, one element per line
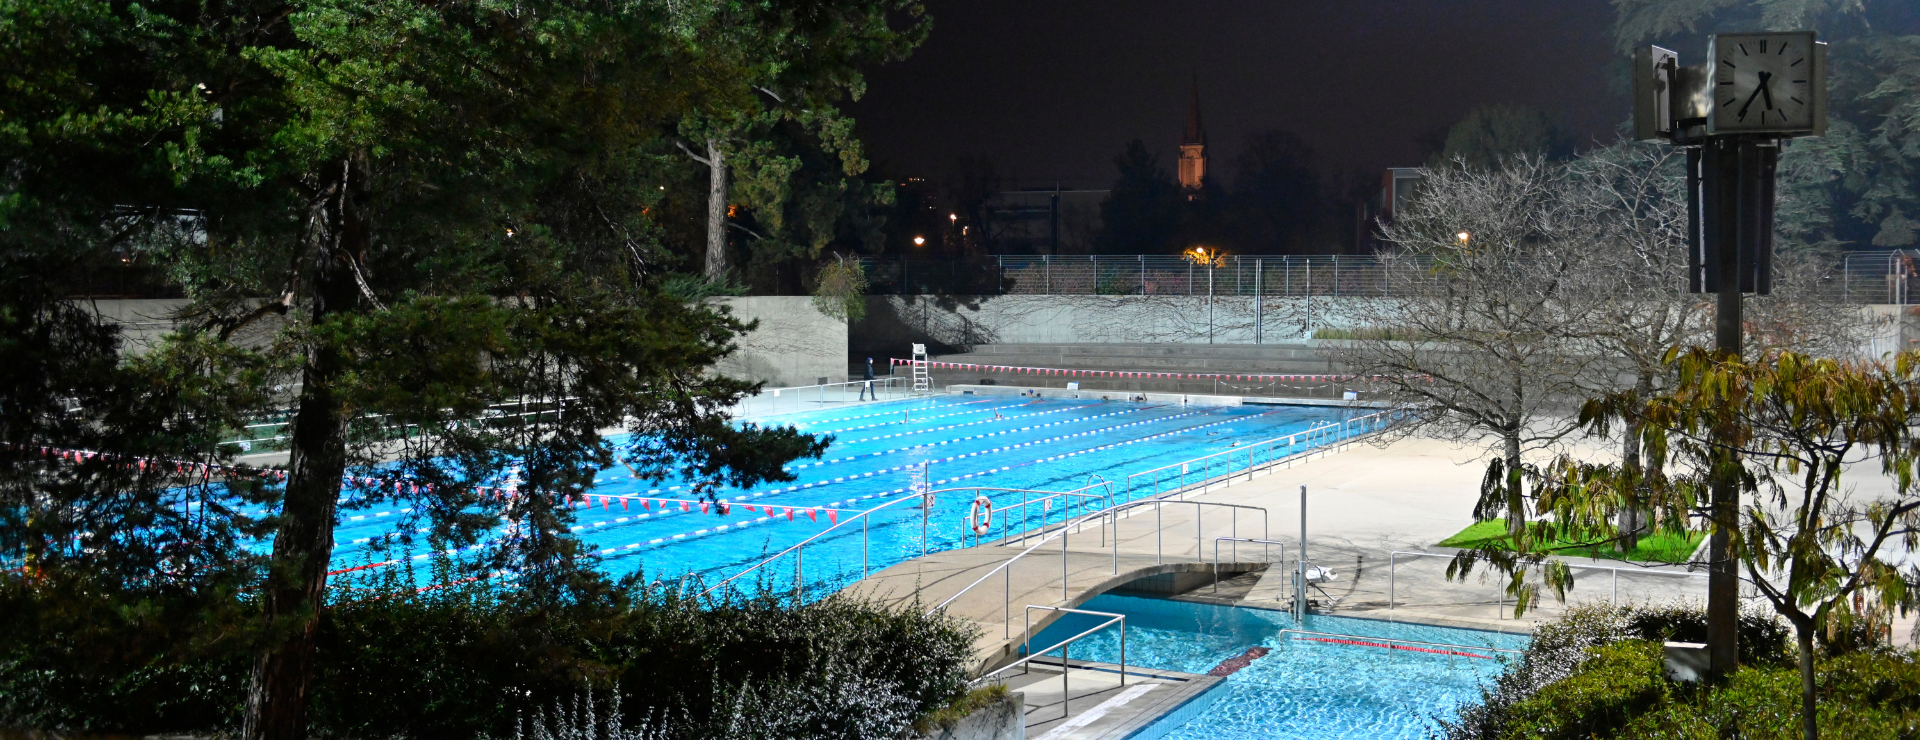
<point>866,385</point>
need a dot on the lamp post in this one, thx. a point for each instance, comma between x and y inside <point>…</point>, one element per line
<point>1731,115</point>
<point>1209,259</point>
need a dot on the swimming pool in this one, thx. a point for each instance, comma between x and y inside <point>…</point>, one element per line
<point>876,455</point>
<point>1301,689</point>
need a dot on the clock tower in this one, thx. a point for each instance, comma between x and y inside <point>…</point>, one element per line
<point>1193,148</point>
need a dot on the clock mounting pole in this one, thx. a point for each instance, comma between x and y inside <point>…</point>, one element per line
<point>1730,119</point>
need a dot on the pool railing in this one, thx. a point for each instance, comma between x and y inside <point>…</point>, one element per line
<point>1112,514</point>
<point>924,499</point>
<point>794,399</point>
<point>1236,540</point>
<point>1201,473</point>
<point>1501,599</point>
<point>1066,665</point>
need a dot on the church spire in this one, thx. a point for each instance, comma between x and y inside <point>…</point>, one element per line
<point>1193,147</point>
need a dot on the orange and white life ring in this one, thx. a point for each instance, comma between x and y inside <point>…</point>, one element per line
<point>980,519</point>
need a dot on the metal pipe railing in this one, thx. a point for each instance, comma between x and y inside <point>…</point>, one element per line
<point>1066,665</point>
<point>1006,568</point>
<point>1318,437</point>
<point>1216,559</point>
<point>864,518</point>
<point>1501,603</point>
<point>771,400</point>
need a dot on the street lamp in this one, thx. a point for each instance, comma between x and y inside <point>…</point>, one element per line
<point>1463,237</point>
<point>1209,259</point>
<point>919,241</point>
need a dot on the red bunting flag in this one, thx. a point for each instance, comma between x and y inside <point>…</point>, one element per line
<point>833,515</point>
<point>813,515</point>
<point>623,504</point>
<point>725,508</point>
<point>789,513</point>
<point>703,507</point>
<point>683,507</point>
<point>606,504</point>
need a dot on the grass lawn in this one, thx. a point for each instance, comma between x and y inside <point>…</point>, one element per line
<point>1659,548</point>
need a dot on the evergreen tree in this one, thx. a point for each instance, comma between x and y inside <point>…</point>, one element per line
<point>1489,133</point>
<point>438,214</point>
<point>1858,186</point>
<point>1276,204</point>
<point>1142,213</point>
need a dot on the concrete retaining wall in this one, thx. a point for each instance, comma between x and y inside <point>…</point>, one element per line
<point>953,324</point>
<point>794,345</point>
<point>1006,720</point>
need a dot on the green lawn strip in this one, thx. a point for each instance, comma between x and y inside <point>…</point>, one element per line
<point>1658,548</point>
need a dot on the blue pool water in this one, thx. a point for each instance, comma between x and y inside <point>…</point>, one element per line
<point>1004,442</point>
<point>1301,690</point>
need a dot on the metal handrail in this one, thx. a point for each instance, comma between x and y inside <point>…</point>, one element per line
<point>1317,433</point>
<point>1396,641</point>
<point>863,517</point>
<point>1199,532</point>
<point>766,395</point>
<point>1023,534</point>
<point>1501,603</point>
<point>1216,558</point>
<point>1065,664</point>
<point>1112,511</point>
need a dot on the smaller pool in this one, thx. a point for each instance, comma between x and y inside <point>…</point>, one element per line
<point>1301,690</point>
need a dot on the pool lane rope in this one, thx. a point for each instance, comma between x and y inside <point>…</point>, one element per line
<point>910,419</point>
<point>1014,419</point>
<point>886,413</point>
<point>1132,374</point>
<point>1391,646</point>
<point>646,502</point>
<point>687,505</point>
<point>734,526</point>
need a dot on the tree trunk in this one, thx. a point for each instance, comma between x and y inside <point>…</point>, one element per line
<point>303,545</point>
<point>717,195</point>
<point>1634,517</point>
<point>1809,729</point>
<point>1516,501</point>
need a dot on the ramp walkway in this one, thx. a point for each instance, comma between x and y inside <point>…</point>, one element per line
<point>1044,578</point>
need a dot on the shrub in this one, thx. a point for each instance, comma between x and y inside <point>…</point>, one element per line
<point>1599,672</point>
<point>478,661</point>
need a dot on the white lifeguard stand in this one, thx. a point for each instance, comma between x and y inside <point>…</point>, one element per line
<point>922,382</point>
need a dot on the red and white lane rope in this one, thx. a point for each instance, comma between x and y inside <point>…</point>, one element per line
<point>1125,374</point>
<point>1010,419</point>
<point>896,412</point>
<point>898,491</point>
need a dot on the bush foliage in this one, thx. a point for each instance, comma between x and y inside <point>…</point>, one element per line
<point>481,661</point>
<point>1599,672</point>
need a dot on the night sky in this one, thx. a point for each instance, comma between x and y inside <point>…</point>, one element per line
<point>1053,89</point>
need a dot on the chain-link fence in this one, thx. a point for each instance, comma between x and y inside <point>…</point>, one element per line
<point>1283,275</point>
<point>1889,276</point>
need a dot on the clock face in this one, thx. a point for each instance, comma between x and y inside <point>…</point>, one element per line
<point>1764,82</point>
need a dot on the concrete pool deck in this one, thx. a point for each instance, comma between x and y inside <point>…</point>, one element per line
<point>1365,502</point>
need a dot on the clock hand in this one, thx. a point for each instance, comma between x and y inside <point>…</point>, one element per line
<point>1766,88</point>
<point>1749,103</point>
